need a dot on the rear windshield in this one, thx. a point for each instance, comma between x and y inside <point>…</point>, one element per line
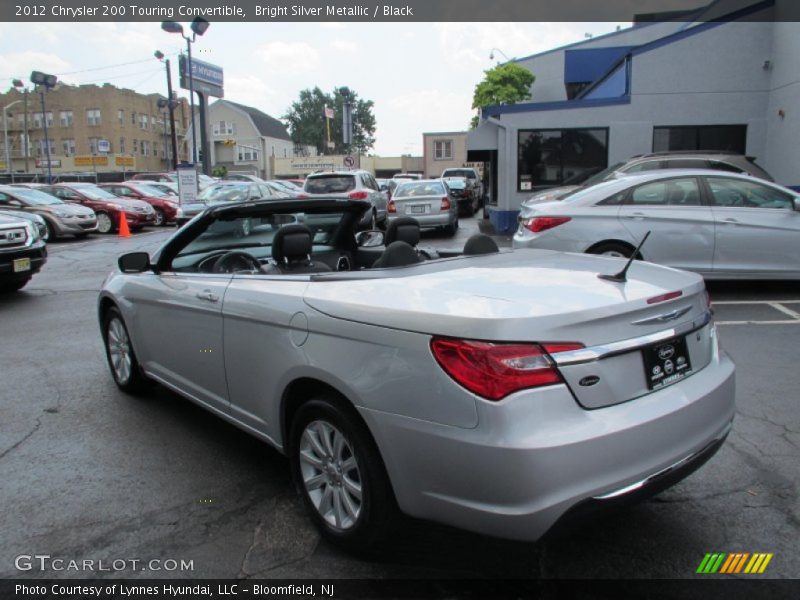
<point>459,173</point>
<point>425,188</point>
<point>330,184</point>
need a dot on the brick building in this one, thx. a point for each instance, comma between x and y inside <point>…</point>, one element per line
<point>80,119</point>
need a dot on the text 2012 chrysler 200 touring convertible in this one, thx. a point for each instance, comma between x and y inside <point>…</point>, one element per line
<point>493,391</point>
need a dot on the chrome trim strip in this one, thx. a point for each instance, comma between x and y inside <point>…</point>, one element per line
<point>640,484</point>
<point>663,318</point>
<point>595,353</point>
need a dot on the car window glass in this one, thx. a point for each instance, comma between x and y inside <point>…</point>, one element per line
<point>721,166</point>
<point>416,189</point>
<point>650,165</point>
<point>330,184</point>
<point>3,198</point>
<point>685,163</point>
<point>265,191</point>
<point>672,192</point>
<point>746,194</point>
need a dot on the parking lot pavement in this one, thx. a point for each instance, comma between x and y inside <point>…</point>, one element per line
<point>91,473</point>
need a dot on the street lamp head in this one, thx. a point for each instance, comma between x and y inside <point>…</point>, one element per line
<point>491,55</point>
<point>345,92</point>
<point>17,83</point>
<point>172,27</point>
<point>199,25</point>
<point>39,78</point>
<point>158,54</point>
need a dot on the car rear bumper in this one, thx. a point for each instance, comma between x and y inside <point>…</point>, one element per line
<point>538,455</point>
<point>432,220</point>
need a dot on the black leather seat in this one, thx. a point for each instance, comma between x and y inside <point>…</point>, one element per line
<point>397,254</point>
<point>480,243</point>
<point>291,250</point>
<point>404,229</point>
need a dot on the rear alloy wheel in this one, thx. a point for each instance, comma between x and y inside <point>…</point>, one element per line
<point>612,249</point>
<point>51,231</point>
<point>160,220</point>
<point>104,223</point>
<point>119,352</point>
<point>340,475</point>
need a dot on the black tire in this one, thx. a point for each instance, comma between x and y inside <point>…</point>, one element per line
<point>160,219</point>
<point>450,230</point>
<point>378,510</point>
<point>612,249</point>
<point>135,382</point>
<point>13,286</point>
<point>51,231</point>
<point>81,236</point>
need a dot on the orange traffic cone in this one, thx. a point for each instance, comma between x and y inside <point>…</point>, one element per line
<point>123,226</point>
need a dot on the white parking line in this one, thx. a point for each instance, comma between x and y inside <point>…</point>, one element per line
<point>788,322</point>
<point>776,304</point>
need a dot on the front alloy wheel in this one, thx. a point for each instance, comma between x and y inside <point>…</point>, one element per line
<point>160,219</point>
<point>104,223</point>
<point>119,352</point>
<point>330,473</point>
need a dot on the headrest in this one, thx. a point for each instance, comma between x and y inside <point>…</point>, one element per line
<point>480,243</point>
<point>404,229</point>
<point>292,242</point>
<point>397,254</point>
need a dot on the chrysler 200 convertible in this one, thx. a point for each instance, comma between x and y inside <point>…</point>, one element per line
<point>496,391</point>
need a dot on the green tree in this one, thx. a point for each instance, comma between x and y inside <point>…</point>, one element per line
<point>306,120</point>
<point>504,84</point>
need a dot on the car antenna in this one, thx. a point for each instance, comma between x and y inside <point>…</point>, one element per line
<point>621,277</point>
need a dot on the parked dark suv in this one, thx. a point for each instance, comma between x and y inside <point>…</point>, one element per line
<point>684,159</point>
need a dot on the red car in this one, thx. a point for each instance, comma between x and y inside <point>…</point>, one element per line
<point>165,206</point>
<point>106,205</point>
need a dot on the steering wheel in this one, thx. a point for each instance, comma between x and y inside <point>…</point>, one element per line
<point>234,261</point>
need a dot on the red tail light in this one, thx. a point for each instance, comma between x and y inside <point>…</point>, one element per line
<point>494,371</point>
<point>358,195</point>
<point>537,224</point>
<point>664,297</point>
<point>302,195</point>
<point>392,207</point>
<point>445,204</point>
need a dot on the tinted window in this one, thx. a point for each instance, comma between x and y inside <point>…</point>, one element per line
<point>468,173</point>
<point>672,192</point>
<point>648,165</point>
<point>549,156</point>
<point>330,184</point>
<point>685,163</point>
<point>721,166</point>
<point>732,138</point>
<point>746,194</point>
<point>429,188</point>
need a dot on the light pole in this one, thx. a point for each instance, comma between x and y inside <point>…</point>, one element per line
<point>171,105</point>
<point>491,55</point>
<point>5,138</point>
<point>199,27</point>
<point>347,118</point>
<point>25,140</point>
<point>43,80</point>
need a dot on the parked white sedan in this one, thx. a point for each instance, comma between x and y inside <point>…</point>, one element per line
<point>498,391</point>
<point>723,226</point>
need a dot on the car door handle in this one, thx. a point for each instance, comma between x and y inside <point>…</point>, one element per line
<point>731,221</point>
<point>637,215</point>
<point>208,296</point>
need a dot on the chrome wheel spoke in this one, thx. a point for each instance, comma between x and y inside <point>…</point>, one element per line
<point>313,440</point>
<point>349,505</point>
<point>315,481</point>
<point>349,464</point>
<point>311,459</point>
<point>353,488</point>
<point>338,509</point>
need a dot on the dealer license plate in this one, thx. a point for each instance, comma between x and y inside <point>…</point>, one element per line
<point>666,363</point>
<point>22,264</point>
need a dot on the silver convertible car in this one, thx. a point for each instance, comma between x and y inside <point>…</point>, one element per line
<point>721,225</point>
<point>496,391</point>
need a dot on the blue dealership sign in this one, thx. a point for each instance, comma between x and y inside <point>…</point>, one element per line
<point>207,78</point>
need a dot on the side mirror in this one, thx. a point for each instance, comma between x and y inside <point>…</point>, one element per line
<point>134,262</point>
<point>797,204</point>
<point>369,238</point>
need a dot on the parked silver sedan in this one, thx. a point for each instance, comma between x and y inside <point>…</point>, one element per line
<point>61,218</point>
<point>427,201</point>
<point>494,391</point>
<point>723,226</point>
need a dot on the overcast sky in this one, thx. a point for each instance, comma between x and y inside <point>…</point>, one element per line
<point>420,75</point>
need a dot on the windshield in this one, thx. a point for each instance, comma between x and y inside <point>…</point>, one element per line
<point>236,192</point>
<point>584,191</point>
<point>423,188</point>
<point>330,184</point>
<point>149,190</point>
<point>36,197</point>
<point>459,173</point>
<point>457,184</point>
<point>95,193</point>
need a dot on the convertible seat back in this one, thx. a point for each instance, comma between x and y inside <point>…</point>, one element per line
<point>404,229</point>
<point>291,250</point>
<point>480,243</point>
<point>397,254</point>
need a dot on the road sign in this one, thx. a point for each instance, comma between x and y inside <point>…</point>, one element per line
<point>103,146</point>
<point>328,112</point>
<point>349,161</point>
<point>207,78</point>
<point>187,183</point>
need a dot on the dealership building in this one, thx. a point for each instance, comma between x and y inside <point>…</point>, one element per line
<point>726,78</point>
